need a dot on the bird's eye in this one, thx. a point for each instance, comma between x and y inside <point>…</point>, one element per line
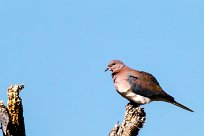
<point>113,63</point>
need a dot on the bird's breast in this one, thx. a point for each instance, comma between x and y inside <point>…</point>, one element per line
<point>124,89</point>
<point>122,86</point>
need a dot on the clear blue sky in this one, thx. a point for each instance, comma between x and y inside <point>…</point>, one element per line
<point>59,50</point>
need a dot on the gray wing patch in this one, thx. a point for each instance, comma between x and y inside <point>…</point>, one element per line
<point>139,89</point>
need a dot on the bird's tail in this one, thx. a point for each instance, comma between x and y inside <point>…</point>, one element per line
<point>180,105</point>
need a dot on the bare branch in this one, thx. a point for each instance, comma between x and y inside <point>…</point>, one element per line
<point>4,118</point>
<point>133,121</point>
<point>15,108</point>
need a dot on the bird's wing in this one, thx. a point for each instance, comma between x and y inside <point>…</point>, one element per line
<point>148,77</point>
<point>145,84</point>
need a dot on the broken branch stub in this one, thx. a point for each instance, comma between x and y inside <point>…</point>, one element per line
<point>134,120</point>
<point>15,108</point>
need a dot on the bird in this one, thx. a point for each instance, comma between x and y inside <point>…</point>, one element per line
<point>137,86</point>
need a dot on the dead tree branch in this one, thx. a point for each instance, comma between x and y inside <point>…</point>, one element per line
<point>134,120</point>
<point>11,117</point>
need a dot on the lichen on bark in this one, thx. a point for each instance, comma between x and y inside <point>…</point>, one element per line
<point>11,116</point>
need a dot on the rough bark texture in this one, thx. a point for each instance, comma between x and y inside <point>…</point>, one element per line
<point>4,118</point>
<point>12,120</point>
<point>133,121</point>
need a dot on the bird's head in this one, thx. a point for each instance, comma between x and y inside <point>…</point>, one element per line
<point>115,66</point>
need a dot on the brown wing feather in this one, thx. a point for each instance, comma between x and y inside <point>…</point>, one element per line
<point>149,77</point>
<point>146,85</point>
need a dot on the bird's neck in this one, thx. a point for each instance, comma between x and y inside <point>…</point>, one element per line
<point>115,73</point>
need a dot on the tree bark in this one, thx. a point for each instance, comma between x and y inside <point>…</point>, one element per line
<point>134,120</point>
<point>12,120</point>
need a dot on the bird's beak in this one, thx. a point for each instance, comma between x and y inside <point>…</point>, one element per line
<point>107,69</point>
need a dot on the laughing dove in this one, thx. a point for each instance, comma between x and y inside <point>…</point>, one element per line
<point>138,86</point>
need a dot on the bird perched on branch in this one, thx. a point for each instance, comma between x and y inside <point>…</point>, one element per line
<point>137,86</point>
